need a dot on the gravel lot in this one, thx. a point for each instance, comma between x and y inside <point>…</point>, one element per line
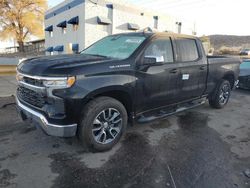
<point>203,148</point>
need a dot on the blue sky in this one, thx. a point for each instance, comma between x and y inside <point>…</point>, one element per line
<point>54,2</point>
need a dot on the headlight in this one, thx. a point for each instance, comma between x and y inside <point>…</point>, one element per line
<point>60,83</point>
<point>19,77</point>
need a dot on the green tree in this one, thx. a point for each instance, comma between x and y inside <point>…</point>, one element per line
<point>20,19</point>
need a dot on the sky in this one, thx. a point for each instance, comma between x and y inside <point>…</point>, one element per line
<point>210,16</point>
<point>229,17</point>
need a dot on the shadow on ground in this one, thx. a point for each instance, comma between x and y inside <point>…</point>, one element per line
<point>180,151</point>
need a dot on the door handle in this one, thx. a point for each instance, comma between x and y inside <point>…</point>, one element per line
<point>174,71</point>
<point>202,67</point>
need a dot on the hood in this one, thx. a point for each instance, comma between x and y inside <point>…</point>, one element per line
<point>59,65</point>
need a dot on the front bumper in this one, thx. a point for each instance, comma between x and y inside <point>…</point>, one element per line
<point>40,120</point>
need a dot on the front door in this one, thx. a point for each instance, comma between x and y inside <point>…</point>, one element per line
<point>157,84</point>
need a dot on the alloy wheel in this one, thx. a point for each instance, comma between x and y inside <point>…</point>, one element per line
<point>224,94</point>
<point>107,125</point>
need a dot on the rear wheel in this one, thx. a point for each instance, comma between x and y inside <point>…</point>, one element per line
<point>221,95</point>
<point>104,120</point>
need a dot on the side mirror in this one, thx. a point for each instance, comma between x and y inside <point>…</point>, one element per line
<point>153,60</point>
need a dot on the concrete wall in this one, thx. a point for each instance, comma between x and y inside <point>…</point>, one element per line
<point>90,31</point>
<point>71,36</point>
<point>120,15</point>
<point>93,30</point>
<point>8,65</point>
<point>9,61</point>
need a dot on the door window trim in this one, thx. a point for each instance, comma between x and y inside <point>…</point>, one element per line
<point>172,48</point>
<point>178,50</point>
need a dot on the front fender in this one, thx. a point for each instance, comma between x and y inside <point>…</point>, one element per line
<point>86,88</point>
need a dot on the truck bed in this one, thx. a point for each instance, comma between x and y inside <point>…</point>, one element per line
<point>222,59</point>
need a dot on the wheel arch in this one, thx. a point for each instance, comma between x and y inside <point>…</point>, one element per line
<point>229,76</point>
<point>119,93</point>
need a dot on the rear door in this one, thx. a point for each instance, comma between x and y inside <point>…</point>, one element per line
<point>193,68</point>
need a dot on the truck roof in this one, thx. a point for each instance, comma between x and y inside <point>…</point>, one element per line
<point>171,34</point>
<point>148,34</point>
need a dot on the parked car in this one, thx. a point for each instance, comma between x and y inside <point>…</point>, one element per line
<point>244,77</point>
<point>124,77</point>
<point>245,52</point>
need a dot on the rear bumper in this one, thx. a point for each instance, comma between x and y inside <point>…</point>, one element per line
<point>39,119</point>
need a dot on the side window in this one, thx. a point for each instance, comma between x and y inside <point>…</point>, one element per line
<point>161,48</point>
<point>188,50</point>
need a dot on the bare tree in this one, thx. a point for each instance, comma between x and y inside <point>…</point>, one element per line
<point>20,19</point>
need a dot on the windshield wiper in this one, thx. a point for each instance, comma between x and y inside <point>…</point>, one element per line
<point>97,55</point>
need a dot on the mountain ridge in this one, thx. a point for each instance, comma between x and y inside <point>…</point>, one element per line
<point>231,41</point>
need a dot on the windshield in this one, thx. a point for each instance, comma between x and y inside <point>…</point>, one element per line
<point>245,64</point>
<point>118,46</point>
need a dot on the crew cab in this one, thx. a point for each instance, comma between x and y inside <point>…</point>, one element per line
<point>129,77</point>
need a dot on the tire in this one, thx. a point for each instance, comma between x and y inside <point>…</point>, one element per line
<point>221,95</point>
<point>97,129</point>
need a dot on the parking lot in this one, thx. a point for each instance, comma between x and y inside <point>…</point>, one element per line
<point>199,148</point>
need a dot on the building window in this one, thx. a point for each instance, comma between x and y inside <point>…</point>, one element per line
<point>75,27</point>
<point>75,22</point>
<point>51,33</point>
<point>63,25</point>
<point>50,30</point>
<point>50,50</point>
<point>63,30</point>
<point>75,48</point>
<point>59,49</point>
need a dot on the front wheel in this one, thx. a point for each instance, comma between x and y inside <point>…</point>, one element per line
<point>104,120</point>
<point>221,95</point>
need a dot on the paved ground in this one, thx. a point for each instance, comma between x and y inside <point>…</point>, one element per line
<point>201,148</point>
<point>7,85</point>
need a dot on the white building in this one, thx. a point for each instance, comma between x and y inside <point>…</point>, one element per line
<point>73,25</point>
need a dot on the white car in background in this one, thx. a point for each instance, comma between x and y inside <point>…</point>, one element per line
<point>245,52</point>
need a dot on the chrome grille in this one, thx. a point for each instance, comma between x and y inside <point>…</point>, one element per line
<point>33,81</point>
<point>31,97</point>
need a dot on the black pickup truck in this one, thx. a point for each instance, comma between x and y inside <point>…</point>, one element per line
<point>129,77</point>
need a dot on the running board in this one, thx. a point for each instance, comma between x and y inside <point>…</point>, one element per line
<point>164,113</point>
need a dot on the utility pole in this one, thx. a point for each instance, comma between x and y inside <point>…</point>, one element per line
<point>194,29</point>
